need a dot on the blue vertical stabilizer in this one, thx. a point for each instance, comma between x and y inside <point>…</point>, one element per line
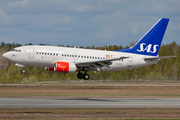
<point>150,43</point>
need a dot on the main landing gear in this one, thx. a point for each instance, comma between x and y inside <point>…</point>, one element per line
<point>84,76</point>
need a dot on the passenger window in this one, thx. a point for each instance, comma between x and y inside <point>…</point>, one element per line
<point>62,54</point>
<point>37,53</point>
<point>81,56</point>
<point>92,57</point>
<point>19,51</point>
<point>72,55</point>
<point>95,57</point>
<point>84,56</point>
<point>50,53</point>
<point>69,55</point>
<point>65,55</point>
<point>45,53</point>
<point>42,53</point>
<point>87,56</point>
<point>56,54</point>
<point>78,56</point>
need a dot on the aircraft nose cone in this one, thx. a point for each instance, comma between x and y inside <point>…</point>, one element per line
<point>5,55</point>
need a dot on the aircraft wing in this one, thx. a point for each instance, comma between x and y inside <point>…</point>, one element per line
<point>97,64</point>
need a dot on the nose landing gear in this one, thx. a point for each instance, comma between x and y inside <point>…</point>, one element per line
<point>84,76</point>
<point>23,71</point>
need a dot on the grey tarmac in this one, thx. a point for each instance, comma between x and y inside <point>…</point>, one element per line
<point>89,102</point>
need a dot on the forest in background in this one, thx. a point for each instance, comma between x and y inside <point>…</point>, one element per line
<point>166,69</point>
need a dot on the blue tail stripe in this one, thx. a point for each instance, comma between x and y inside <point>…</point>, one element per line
<point>150,43</point>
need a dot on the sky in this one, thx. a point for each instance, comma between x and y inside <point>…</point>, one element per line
<point>85,22</point>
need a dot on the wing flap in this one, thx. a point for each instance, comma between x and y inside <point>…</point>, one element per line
<point>98,64</point>
<point>107,61</point>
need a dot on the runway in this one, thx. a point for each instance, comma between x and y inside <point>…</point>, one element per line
<point>89,102</point>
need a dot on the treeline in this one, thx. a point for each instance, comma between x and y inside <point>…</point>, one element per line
<point>166,69</point>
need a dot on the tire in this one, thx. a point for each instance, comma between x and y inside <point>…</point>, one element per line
<point>23,71</point>
<point>86,77</point>
<point>80,75</point>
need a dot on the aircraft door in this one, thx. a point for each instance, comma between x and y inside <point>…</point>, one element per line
<point>31,52</point>
<point>129,61</point>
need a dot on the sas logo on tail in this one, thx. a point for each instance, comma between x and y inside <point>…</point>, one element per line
<point>148,48</point>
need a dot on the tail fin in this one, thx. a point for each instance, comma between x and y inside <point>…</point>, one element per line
<point>150,43</point>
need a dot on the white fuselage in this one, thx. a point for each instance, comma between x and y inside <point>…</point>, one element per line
<point>46,56</point>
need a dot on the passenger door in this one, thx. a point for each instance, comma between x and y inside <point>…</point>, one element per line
<point>31,52</point>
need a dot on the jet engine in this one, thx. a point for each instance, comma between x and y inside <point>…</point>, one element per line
<point>65,67</point>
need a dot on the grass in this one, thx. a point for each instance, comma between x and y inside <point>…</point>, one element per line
<point>86,95</point>
<point>89,113</point>
<point>88,90</point>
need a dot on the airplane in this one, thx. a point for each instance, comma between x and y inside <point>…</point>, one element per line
<point>71,60</point>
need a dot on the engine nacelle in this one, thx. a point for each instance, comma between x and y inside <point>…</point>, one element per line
<point>65,67</point>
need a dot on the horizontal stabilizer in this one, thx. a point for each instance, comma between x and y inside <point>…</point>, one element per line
<point>153,58</point>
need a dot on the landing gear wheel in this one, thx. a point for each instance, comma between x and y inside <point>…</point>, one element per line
<point>80,75</point>
<point>86,77</point>
<point>23,71</point>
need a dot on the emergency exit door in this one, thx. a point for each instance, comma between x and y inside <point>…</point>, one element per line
<point>129,61</point>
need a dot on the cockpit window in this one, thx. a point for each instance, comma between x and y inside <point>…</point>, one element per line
<point>16,50</point>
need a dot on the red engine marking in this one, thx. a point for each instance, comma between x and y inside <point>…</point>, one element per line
<point>62,67</point>
<point>50,69</point>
